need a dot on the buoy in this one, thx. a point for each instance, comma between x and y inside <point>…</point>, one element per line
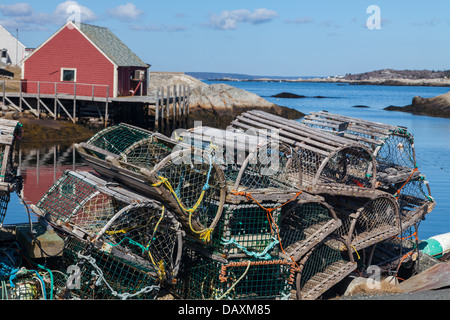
<point>436,246</point>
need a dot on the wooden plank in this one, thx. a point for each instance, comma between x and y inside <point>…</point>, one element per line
<point>156,127</point>
<point>299,142</point>
<point>311,138</point>
<point>301,129</point>
<point>30,107</point>
<point>371,124</point>
<point>62,107</point>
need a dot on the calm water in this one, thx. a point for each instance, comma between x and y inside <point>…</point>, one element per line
<point>431,135</point>
<point>41,167</point>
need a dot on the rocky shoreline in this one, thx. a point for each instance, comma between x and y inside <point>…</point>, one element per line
<point>218,104</point>
<point>438,106</point>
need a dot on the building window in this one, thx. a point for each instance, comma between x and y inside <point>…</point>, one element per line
<point>69,75</point>
<point>4,53</point>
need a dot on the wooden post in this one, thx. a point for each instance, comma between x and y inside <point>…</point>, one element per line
<point>74,102</point>
<point>168,109</point>
<point>56,101</point>
<point>188,93</point>
<point>183,106</point>
<point>106,107</point>
<point>175,108</point>
<point>39,100</point>
<point>156,128</point>
<point>20,96</point>
<point>4,92</point>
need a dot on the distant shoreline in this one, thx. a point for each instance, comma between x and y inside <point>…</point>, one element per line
<point>378,82</point>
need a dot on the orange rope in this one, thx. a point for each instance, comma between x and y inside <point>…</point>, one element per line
<point>409,178</point>
<point>412,235</point>
<point>223,269</point>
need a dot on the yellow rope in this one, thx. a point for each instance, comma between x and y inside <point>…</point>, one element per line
<point>205,234</point>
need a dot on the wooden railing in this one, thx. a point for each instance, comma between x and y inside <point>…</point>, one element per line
<point>55,90</point>
<point>172,102</point>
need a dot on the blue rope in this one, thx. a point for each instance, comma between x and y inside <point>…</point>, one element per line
<point>259,255</point>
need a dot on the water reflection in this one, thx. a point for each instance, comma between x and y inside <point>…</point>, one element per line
<point>40,168</point>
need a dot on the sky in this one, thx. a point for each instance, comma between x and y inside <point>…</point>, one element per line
<point>292,38</point>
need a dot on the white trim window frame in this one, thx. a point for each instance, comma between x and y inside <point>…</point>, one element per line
<point>69,69</point>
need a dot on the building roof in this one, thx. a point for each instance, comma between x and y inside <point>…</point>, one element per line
<point>111,46</point>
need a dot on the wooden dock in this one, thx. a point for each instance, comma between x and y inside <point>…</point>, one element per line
<point>164,111</point>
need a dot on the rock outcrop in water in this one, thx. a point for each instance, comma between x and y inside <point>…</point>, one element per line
<point>218,104</point>
<point>438,106</point>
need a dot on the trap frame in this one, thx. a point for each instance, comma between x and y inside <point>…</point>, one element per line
<point>393,146</point>
<point>329,164</point>
<point>125,223</point>
<point>367,221</point>
<point>105,276</point>
<point>206,278</point>
<point>324,266</point>
<point>251,163</point>
<point>304,224</point>
<point>10,135</point>
<point>185,179</point>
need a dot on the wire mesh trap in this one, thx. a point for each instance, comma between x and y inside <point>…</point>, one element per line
<point>255,163</point>
<point>100,275</point>
<point>204,278</point>
<point>366,222</point>
<point>393,146</point>
<point>4,201</point>
<point>126,223</point>
<point>323,267</point>
<point>10,135</point>
<point>328,163</point>
<point>185,179</point>
<point>414,200</point>
<point>26,285</point>
<point>247,230</point>
<point>305,224</point>
<point>19,283</point>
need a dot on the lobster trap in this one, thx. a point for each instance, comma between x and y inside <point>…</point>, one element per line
<point>206,278</point>
<point>100,275</point>
<point>414,200</point>
<point>10,136</point>
<point>393,146</point>
<point>328,163</point>
<point>305,224</point>
<point>184,179</point>
<point>125,223</point>
<point>255,163</point>
<point>247,230</point>
<point>366,222</point>
<point>324,266</point>
<point>25,285</point>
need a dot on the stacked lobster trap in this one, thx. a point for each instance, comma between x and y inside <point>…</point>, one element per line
<point>365,171</point>
<point>236,196</point>
<point>268,209</point>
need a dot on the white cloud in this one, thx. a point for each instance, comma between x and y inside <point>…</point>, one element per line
<point>229,20</point>
<point>17,9</point>
<point>126,12</point>
<point>22,16</point>
<point>69,8</point>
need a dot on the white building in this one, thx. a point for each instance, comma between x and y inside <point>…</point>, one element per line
<point>12,51</point>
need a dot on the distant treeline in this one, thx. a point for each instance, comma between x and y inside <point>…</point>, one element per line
<point>205,76</point>
<point>399,74</point>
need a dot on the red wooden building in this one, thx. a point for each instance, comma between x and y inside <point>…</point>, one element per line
<point>85,60</point>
